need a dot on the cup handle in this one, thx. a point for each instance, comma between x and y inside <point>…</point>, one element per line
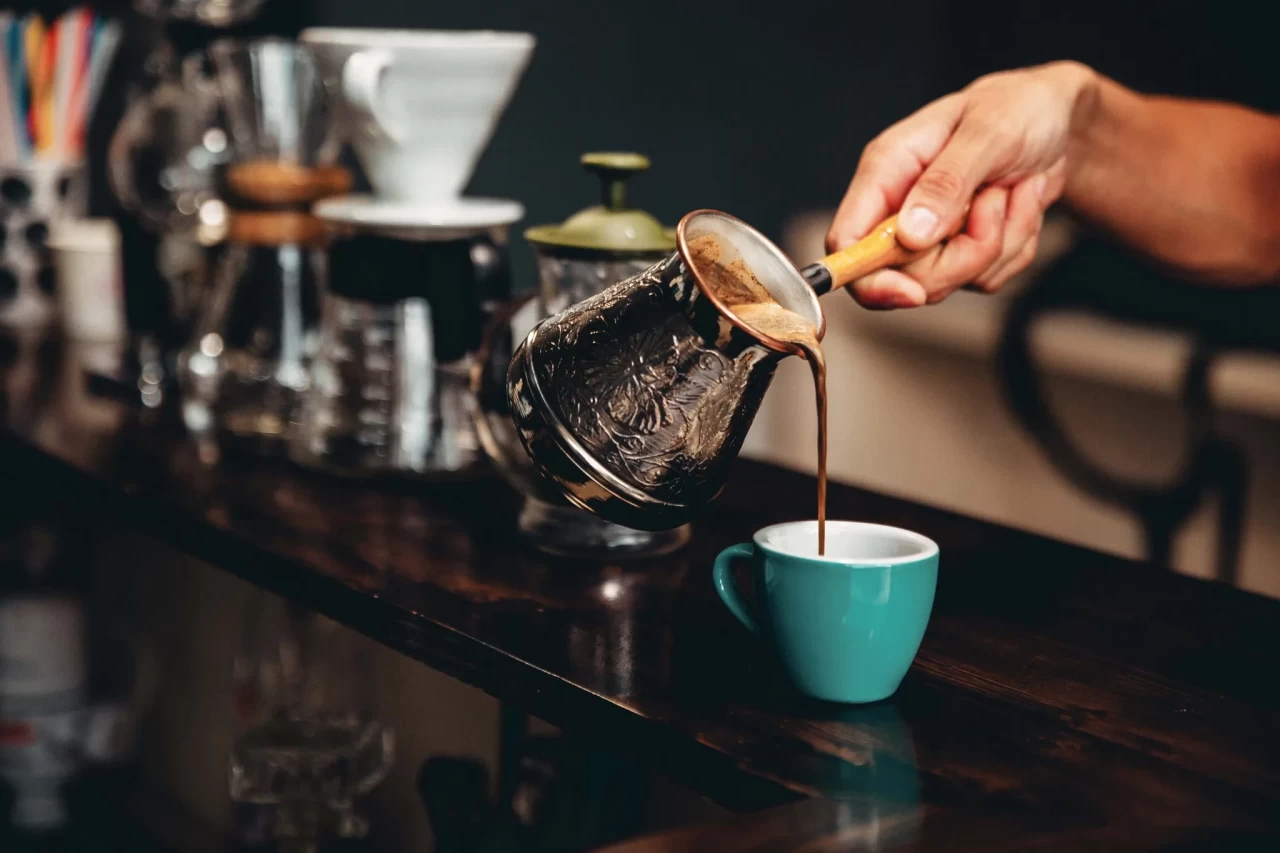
<point>727,588</point>
<point>361,79</point>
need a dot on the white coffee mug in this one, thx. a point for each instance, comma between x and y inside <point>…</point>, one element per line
<point>419,106</point>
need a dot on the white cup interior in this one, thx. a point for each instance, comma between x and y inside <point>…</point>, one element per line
<point>848,542</point>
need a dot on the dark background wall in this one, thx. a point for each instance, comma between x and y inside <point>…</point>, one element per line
<point>761,109</point>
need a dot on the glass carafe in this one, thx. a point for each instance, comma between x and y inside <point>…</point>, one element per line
<point>248,358</point>
<point>250,351</point>
<point>390,390</point>
<point>276,104</point>
<point>165,154</point>
<point>162,164</point>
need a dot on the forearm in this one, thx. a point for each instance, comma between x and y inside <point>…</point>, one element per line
<point>1194,185</point>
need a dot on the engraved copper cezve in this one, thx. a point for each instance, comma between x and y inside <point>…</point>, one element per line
<point>635,401</point>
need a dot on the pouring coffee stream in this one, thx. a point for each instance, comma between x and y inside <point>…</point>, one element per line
<point>742,293</point>
<point>633,403</point>
<point>739,291</point>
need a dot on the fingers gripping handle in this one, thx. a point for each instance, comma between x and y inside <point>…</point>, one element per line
<point>878,250</point>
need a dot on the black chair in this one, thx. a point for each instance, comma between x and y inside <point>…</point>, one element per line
<point>1097,278</point>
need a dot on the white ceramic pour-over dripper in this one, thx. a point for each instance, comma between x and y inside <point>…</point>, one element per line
<point>419,106</point>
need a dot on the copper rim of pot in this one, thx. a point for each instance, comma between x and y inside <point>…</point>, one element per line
<point>781,272</point>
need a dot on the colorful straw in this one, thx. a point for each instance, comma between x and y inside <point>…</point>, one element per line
<point>50,81</point>
<point>17,42</point>
<point>70,42</point>
<point>35,78</point>
<point>106,40</point>
<point>9,150</point>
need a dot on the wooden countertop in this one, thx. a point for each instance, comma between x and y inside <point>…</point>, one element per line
<point>1059,693</point>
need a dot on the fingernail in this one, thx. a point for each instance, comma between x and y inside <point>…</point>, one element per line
<point>1002,204</point>
<point>919,223</point>
<point>1039,185</point>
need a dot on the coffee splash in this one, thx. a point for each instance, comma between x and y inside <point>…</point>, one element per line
<point>738,289</point>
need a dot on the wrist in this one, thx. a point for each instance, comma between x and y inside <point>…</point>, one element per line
<point>1083,91</point>
<point>1080,86</point>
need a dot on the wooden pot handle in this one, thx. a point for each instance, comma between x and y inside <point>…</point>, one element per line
<point>876,251</point>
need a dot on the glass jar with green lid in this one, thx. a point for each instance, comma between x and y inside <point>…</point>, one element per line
<point>602,244</point>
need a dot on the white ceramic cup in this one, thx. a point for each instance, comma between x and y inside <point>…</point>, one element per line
<point>419,106</point>
<point>86,255</point>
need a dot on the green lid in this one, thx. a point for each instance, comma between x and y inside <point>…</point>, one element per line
<point>610,228</point>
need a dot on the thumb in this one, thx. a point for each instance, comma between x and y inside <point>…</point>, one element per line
<point>936,205</point>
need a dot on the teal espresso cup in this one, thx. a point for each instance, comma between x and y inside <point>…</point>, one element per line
<point>846,625</point>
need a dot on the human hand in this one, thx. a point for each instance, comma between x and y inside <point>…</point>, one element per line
<point>997,148</point>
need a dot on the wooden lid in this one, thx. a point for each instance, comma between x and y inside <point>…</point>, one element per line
<point>270,182</point>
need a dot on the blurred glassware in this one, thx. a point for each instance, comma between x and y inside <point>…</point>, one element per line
<point>379,401</point>
<point>162,166</point>
<point>276,104</point>
<point>210,13</point>
<point>251,344</point>
<point>402,319</point>
<point>186,262</point>
<point>164,157</point>
<point>304,687</point>
<point>248,357</point>
<point>590,251</point>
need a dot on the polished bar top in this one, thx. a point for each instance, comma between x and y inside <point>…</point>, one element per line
<point>1059,693</point>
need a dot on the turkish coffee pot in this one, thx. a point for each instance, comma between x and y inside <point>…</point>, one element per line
<point>633,403</point>
<point>577,259</point>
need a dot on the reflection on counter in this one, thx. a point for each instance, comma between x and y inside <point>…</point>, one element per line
<point>312,742</point>
<point>211,715</point>
<point>223,652</point>
<point>72,687</point>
